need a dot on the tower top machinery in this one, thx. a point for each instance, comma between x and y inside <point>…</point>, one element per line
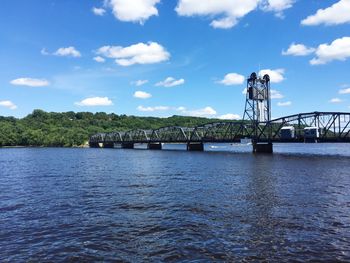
<point>258,101</point>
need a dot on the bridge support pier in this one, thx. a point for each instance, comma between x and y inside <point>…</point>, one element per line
<point>262,147</point>
<point>128,145</point>
<point>94,145</point>
<point>195,146</point>
<point>154,146</point>
<point>108,145</point>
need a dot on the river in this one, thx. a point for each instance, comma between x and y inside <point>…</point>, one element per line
<point>150,206</point>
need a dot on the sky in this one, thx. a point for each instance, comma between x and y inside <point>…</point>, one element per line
<point>172,57</point>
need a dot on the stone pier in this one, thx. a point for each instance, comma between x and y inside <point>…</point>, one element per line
<point>127,145</point>
<point>195,146</point>
<point>263,147</point>
<point>154,146</point>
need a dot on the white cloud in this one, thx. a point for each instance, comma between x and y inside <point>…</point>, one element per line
<point>232,79</point>
<point>133,10</point>
<point>275,94</point>
<point>344,91</point>
<point>44,52</point>
<point>228,12</point>
<point>140,53</point>
<point>339,49</point>
<point>98,11</point>
<point>8,104</point>
<point>208,112</point>
<point>140,82</point>
<point>30,82</point>
<point>336,100</point>
<point>276,75</point>
<point>99,59</point>
<point>152,109</point>
<point>230,116</point>
<point>298,50</point>
<point>277,6</point>
<point>204,112</point>
<point>284,104</point>
<point>170,82</point>
<point>142,95</point>
<point>67,52</point>
<point>338,13</point>
<point>95,101</point>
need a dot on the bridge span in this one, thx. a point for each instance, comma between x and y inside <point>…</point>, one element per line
<point>256,126</point>
<point>321,127</point>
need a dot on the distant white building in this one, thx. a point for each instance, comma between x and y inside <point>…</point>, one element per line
<point>288,132</point>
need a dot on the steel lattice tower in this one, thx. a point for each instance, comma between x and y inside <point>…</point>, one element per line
<point>258,104</point>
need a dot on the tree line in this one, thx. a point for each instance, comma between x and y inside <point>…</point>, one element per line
<point>69,129</point>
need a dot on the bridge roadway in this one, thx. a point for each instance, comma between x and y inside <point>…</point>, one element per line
<point>327,127</point>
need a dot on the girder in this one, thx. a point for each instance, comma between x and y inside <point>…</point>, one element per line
<point>171,134</point>
<point>332,126</point>
<point>137,136</point>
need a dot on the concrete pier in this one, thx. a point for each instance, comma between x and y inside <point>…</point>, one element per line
<point>195,146</point>
<point>154,146</point>
<point>108,145</point>
<point>128,145</point>
<point>262,147</point>
<point>94,145</point>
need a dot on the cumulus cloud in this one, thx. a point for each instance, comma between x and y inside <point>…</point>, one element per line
<point>284,104</point>
<point>204,112</point>
<point>275,94</point>
<point>276,6</point>
<point>30,82</point>
<point>208,112</point>
<point>44,52</point>
<point>226,13</point>
<point>229,116</point>
<point>95,101</point>
<point>232,79</point>
<point>98,11</point>
<point>344,91</point>
<point>140,53</point>
<point>8,104</point>
<point>152,109</point>
<point>133,10</point>
<point>339,49</point>
<point>99,59</point>
<point>142,95</point>
<point>335,100</point>
<point>276,75</point>
<point>298,50</point>
<point>170,82</point>
<point>338,13</point>
<point>140,82</point>
<point>67,52</point>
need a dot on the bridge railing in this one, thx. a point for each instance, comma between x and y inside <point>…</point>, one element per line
<point>171,134</point>
<point>330,126</point>
<point>137,136</point>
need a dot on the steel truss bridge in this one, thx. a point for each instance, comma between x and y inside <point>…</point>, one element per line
<point>256,125</point>
<point>331,127</point>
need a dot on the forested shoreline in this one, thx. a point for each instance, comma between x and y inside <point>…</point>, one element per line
<point>70,129</point>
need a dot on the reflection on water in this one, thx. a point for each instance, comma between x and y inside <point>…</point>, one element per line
<point>136,205</point>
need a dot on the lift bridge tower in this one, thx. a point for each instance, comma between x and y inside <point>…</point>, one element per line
<point>258,112</point>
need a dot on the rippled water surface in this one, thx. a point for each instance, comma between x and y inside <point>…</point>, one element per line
<point>137,205</point>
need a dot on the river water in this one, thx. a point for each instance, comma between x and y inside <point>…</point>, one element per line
<point>88,205</point>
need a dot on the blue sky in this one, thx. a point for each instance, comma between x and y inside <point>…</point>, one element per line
<point>162,57</point>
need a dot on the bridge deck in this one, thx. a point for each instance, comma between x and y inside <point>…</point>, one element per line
<point>327,127</point>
